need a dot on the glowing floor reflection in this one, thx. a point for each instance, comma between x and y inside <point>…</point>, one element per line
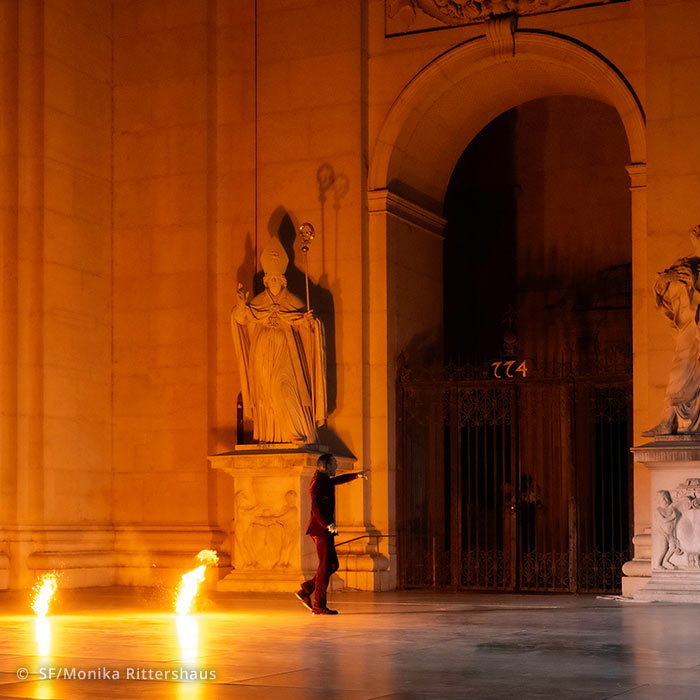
<point>188,637</point>
<point>413,646</point>
<point>190,690</point>
<point>42,637</point>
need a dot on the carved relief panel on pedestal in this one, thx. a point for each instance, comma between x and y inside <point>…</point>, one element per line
<point>676,527</point>
<point>265,536</point>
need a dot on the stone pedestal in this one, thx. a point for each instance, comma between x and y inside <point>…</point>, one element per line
<point>674,463</point>
<point>638,570</point>
<point>269,548</point>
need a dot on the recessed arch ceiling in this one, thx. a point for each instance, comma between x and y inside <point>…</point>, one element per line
<point>453,98</point>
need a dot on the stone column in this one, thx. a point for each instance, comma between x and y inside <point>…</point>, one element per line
<point>637,571</point>
<point>404,254</point>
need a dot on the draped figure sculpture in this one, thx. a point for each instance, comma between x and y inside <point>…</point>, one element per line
<point>282,357</point>
<point>677,292</point>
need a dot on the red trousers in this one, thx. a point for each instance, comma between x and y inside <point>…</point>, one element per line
<point>327,566</point>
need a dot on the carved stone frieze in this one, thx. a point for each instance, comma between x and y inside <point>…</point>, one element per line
<point>265,537</point>
<point>677,527</point>
<point>418,15</point>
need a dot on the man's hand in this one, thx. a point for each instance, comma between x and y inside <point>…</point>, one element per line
<point>362,475</point>
<point>333,529</point>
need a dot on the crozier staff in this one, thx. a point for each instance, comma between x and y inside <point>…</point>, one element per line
<point>322,529</point>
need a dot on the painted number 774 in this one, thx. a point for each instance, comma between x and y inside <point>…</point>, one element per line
<point>504,370</point>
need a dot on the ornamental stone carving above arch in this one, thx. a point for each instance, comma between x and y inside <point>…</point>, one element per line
<point>404,16</point>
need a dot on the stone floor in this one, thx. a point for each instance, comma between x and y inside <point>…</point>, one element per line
<point>389,645</point>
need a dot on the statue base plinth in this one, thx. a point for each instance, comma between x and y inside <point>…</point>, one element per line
<point>672,586</point>
<point>674,464</point>
<point>270,513</point>
<point>277,448</point>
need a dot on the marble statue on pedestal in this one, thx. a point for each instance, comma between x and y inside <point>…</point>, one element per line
<point>282,357</point>
<point>677,292</point>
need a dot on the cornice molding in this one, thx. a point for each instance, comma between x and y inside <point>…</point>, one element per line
<point>385,202</point>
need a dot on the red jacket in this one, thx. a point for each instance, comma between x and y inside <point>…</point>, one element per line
<point>323,501</point>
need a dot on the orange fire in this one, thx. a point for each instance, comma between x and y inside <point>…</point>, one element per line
<point>44,590</point>
<point>189,585</point>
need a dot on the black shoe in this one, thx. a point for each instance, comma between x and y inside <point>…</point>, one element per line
<point>324,611</point>
<point>305,599</point>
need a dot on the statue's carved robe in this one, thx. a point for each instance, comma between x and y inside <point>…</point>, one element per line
<point>677,294</point>
<point>282,360</point>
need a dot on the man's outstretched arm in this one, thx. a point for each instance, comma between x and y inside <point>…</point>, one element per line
<point>344,478</point>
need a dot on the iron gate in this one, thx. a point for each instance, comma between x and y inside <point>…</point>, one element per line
<point>514,485</point>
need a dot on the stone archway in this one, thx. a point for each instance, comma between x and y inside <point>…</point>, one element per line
<point>438,113</point>
<point>455,96</point>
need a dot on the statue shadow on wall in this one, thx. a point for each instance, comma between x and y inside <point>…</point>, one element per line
<point>247,270</point>
<point>282,225</point>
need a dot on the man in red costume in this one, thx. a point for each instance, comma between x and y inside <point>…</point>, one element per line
<point>322,529</point>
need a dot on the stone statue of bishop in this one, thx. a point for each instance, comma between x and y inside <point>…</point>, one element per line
<point>281,352</point>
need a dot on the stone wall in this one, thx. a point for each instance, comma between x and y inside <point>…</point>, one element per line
<point>56,259</point>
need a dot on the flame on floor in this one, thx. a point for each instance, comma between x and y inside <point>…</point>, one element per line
<point>44,590</point>
<point>191,581</point>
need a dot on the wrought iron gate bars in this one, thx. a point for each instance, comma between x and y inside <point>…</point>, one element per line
<point>446,406</point>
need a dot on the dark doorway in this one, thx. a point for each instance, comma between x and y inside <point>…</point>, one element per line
<point>480,253</point>
<point>514,469</point>
<point>538,246</point>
